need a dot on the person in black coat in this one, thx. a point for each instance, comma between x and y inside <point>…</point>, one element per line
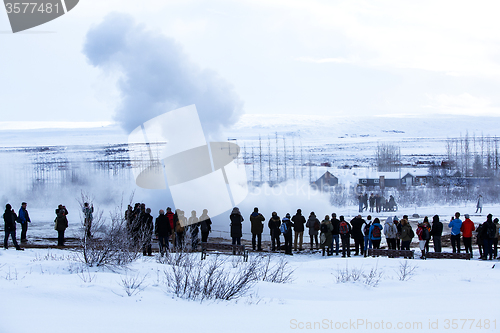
<point>61,223</point>
<point>436,232</point>
<point>357,234</point>
<point>345,236</point>
<point>488,232</point>
<point>236,226</point>
<point>146,232</point>
<point>335,233</point>
<point>163,231</point>
<point>274,230</point>
<point>10,217</point>
<point>298,221</point>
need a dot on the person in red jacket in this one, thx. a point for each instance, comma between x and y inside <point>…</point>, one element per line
<point>467,228</point>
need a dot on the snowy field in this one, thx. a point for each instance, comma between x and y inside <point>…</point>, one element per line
<point>49,291</point>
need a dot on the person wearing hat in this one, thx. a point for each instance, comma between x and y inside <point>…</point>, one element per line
<point>257,227</point>
<point>236,226</point>
<point>288,233</point>
<point>467,228</point>
<point>298,221</point>
<point>274,229</point>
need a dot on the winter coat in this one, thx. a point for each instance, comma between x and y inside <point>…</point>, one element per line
<point>335,224</point>
<point>328,234</point>
<point>289,226</point>
<point>437,229</point>
<point>10,218</point>
<point>421,234</point>
<point>484,231</point>
<point>467,228</point>
<point>311,221</point>
<point>256,220</point>
<point>455,226</point>
<point>147,226</point>
<point>372,200</point>
<point>172,219</point>
<point>236,226</point>
<point>390,230</point>
<point>405,232</point>
<point>371,231</point>
<point>162,226</point>
<point>356,225</point>
<point>61,220</point>
<point>479,202</point>
<point>274,225</point>
<point>298,222</point>
<point>205,224</point>
<point>23,216</point>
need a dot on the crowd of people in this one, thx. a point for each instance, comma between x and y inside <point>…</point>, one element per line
<point>376,203</point>
<point>331,234</point>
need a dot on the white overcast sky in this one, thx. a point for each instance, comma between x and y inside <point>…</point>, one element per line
<point>282,56</point>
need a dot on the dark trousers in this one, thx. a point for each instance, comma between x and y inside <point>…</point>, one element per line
<point>468,244</point>
<point>259,241</point>
<point>437,243</point>
<point>346,245</point>
<point>376,243</point>
<point>6,239</point>
<point>487,248</point>
<point>359,245</point>
<point>495,247</point>
<point>60,237</point>
<point>236,241</point>
<point>24,229</point>
<point>275,242</point>
<point>179,240</point>
<point>391,243</point>
<point>405,245</point>
<point>163,242</point>
<point>314,238</point>
<point>146,249</point>
<point>398,244</point>
<point>336,239</point>
<point>204,236</point>
<point>288,243</point>
<point>455,243</point>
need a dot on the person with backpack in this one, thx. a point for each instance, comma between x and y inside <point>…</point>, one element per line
<point>366,234</point>
<point>455,225</point>
<point>488,233</point>
<point>326,235</point>
<point>423,236</point>
<point>345,236</point>
<point>286,230</point>
<point>10,217</point>
<point>407,234</point>
<point>274,230</point>
<point>357,234</point>
<point>376,233</point>
<point>236,226</point>
<point>467,228</point>
<point>298,227</point>
<point>314,226</point>
<point>257,227</point>
<point>436,232</point>
<point>390,231</point>
<point>335,233</point>
<point>206,226</point>
<point>427,233</point>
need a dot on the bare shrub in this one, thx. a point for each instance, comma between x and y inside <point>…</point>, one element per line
<point>106,244</point>
<point>406,270</point>
<point>371,278</point>
<point>278,273</point>
<point>133,284</point>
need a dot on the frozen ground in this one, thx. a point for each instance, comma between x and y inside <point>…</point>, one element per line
<point>46,291</point>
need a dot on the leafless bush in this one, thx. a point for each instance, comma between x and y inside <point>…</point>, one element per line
<point>278,273</point>
<point>107,244</point>
<point>85,275</point>
<point>371,279</point>
<point>406,270</point>
<point>133,285</point>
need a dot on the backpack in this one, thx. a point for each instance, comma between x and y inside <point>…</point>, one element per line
<point>316,225</point>
<point>376,231</point>
<point>426,234</point>
<point>411,233</point>
<point>283,228</point>
<point>366,230</point>
<point>343,228</point>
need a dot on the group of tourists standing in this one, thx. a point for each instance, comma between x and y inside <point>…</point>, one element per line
<point>377,203</point>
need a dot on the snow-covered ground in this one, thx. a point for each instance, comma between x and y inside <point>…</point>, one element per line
<point>46,291</point>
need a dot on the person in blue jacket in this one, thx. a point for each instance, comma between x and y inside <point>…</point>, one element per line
<point>455,225</point>
<point>23,218</point>
<point>374,234</point>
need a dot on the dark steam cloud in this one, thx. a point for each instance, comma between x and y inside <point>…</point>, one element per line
<point>156,76</point>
